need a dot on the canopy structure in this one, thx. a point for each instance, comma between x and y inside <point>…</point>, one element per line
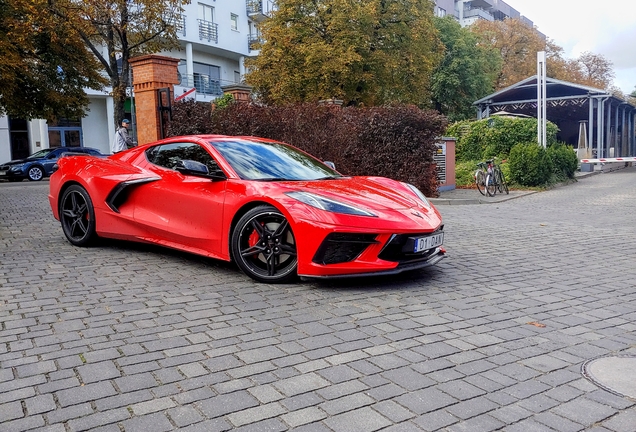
<point>610,120</point>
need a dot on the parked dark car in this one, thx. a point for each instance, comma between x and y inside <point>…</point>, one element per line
<point>39,164</point>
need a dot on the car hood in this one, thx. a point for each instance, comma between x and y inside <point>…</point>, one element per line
<point>372,193</point>
<point>17,162</point>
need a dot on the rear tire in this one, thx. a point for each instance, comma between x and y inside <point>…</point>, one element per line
<point>502,183</point>
<point>480,181</point>
<point>491,186</point>
<point>77,216</point>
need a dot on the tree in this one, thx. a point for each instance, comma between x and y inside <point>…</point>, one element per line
<point>114,31</point>
<point>44,65</point>
<point>364,52</point>
<point>631,98</point>
<point>594,70</point>
<point>466,73</point>
<point>518,44</point>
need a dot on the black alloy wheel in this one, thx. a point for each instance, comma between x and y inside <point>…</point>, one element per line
<point>264,247</point>
<point>77,216</point>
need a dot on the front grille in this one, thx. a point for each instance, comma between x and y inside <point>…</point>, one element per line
<point>342,247</point>
<point>400,248</point>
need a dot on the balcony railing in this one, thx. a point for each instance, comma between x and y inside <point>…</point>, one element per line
<point>203,83</point>
<point>208,31</point>
<point>479,13</point>
<point>178,21</point>
<point>258,10</point>
<point>253,42</point>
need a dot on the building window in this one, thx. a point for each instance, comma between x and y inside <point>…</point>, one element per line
<point>440,12</point>
<point>237,77</point>
<point>206,13</point>
<point>234,21</point>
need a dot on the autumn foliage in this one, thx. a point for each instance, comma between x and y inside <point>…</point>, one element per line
<point>390,141</point>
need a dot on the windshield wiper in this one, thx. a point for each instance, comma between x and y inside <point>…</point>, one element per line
<point>329,178</point>
<point>272,179</point>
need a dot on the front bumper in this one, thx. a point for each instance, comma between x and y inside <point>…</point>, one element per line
<point>432,259</point>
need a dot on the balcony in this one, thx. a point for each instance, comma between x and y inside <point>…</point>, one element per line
<point>204,84</point>
<point>254,42</point>
<point>208,31</point>
<point>178,21</point>
<point>482,4</point>
<point>478,13</point>
<point>259,10</point>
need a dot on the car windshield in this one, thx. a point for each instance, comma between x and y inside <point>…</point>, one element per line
<point>255,160</point>
<point>41,153</point>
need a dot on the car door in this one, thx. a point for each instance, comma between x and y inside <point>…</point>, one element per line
<point>190,205</point>
<point>49,162</point>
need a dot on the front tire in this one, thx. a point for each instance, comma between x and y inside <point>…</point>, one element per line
<point>35,173</point>
<point>77,216</point>
<point>264,247</point>
<point>480,181</point>
<point>491,185</point>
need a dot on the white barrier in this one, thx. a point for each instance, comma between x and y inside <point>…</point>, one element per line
<point>607,160</point>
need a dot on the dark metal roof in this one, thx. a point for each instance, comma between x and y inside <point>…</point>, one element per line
<point>526,91</point>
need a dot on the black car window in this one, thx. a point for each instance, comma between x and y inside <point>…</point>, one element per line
<point>168,155</point>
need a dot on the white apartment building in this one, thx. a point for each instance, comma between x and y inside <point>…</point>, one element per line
<point>469,11</point>
<point>215,39</point>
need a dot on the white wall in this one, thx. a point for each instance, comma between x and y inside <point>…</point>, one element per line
<point>5,147</point>
<point>95,126</point>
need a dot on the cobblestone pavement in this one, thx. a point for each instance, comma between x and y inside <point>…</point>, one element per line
<point>123,337</point>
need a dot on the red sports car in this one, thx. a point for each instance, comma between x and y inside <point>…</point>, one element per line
<point>276,211</point>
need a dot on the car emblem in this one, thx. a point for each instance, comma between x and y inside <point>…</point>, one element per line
<point>416,213</point>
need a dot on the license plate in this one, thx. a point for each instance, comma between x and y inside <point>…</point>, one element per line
<point>430,242</point>
<point>3,173</point>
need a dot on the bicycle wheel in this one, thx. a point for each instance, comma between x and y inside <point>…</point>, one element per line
<point>502,183</point>
<point>480,181</point>
<point>497,175</point>
<point>491,185</point>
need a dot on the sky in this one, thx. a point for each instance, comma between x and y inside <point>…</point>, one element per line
<point>605,27</point>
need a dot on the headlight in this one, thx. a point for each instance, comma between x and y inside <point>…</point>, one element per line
<point>419,193</point>
<point>16,167</point>
<point>328,204</point>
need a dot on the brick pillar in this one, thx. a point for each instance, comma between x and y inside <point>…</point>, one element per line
<point>151,73</point>
<point>240,92</point>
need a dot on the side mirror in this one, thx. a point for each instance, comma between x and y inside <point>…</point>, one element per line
<point>330,164</point>
<point>195,168</point>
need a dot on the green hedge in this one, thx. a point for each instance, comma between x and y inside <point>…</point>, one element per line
<point>495,136</point>
<point>530,165</point>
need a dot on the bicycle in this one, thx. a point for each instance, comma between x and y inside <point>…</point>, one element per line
<point>480,176</point>
<point>489,178</point>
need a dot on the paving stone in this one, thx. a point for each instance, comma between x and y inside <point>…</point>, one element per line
<point>362,419</point>
<point>584,411</point>
<point>156,422</point>
<point>95,372</point>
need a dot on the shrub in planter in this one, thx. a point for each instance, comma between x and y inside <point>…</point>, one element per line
<point>564,160</point>
<point>529,165</point>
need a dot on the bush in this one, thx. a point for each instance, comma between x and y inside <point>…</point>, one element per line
<point>465,173</point>
<point>392,141</point>
<point>529,165</point>
<point>564,161</point>
<point>495,136</point>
